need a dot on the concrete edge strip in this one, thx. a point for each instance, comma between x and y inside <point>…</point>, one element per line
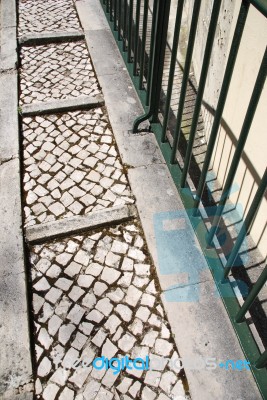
<point>8,14</point>
<point>16,373</point>
<point>66,227</point>
<point>8,48</point>
<point>50,37</point>
<point>59,106</point>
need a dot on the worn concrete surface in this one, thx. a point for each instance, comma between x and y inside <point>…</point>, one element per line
<point>15,358</point>
<point>59,106</point>
<point>49,37</point>
<point>8,48</point>
<point>9,144</point>
<point>210,333</point>
<point>64,227</point>
<point>15,365</point>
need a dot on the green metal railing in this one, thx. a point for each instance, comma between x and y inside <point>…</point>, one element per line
<point>144,57</point>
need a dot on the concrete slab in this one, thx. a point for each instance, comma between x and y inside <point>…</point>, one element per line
<point>171,239</point>
<point>123,104</point>
<point>203,329</point>
<point>97,21</point>
<point>8,14</point>
<point>9,141</point>
<point>8,48</point>
<point>59,106</point>
<point>49,37</point>
<point>68,226</point>
<point>8,55</point>
<point>15,361</point>
<point>105,54</point>
<point>190,293</point>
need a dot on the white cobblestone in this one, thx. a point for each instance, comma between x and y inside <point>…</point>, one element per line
<point>44,367</point>
<point>168,379</point>
<point>104,306</point>
<point>65,332</point>
<point>99,288</point>
<point>109,349</point>
<point>42,285</point>
<point>127,342</point>
<point>110,275</point>
<point>148,300</point>
<point>71,356</point>
<point>99,338</point>
<point>124,385</point>
<point>79,341</point>
<point>163,348</point>
<point>60,376</point>
<point>67,394</point>
<point>148,394</point>
<point>91,389</point>
<point>153,378</point>
<point>142,269</point>
<point>54,324</point>
<point>124,311</point>
<point>133,295</point>
<point>112,323</point>
<point>127,264</point>
<point>76,314</point>
<point>85,281</point>
<point>50,391</point>
<point>149,338</point>
<point>112,260</point>
<point>126,279</point>
<point>95,316</point>
<point>75,293</point>
<point>136,327</point>
<point>44,338</point>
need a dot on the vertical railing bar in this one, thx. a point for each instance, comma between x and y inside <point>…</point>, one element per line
<point>175,43</point>
<point>189,53</point>
<point>111,8</point>
<point>143,50</point>
<point>162,19</point>
<point>151,51</point>
<point>119,19</point>
<point>252,296</point>
<point>240,145</point>
<point>107,5</point>
<point>161,40</point>
<point>201,87</point>
<point>136,37</point>
<point>115,15</point>
<point>125,9</point>
<point>223,95</point>
<point>262,360</point>
<point>246,224</point>
<point>130,30</point>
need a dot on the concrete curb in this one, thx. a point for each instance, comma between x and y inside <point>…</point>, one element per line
<point>70,226</point>
<point>64,105</point>
<point>35,39</point>
<point>198,330</point>
<point>15,360</point>
<point>8,54</point>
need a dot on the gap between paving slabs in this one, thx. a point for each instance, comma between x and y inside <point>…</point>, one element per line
<point>57,263</point>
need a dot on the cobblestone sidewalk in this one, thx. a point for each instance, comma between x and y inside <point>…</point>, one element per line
<point>93,294</point>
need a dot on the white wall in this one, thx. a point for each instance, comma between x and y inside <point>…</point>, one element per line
<point>248,61</point>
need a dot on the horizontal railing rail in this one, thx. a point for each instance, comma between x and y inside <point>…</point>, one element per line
<point>140,28</point>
